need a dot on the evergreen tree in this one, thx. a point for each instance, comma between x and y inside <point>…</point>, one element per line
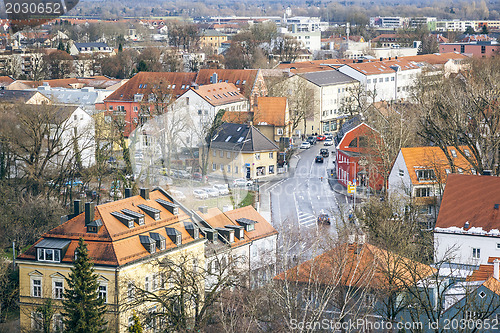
<point>484,30</point>
<point>83,308</point>
<point>136,328</point>
<point>60,46</point>
<point>47,313</point>
<point>67,49</point>
<point>120,47</point>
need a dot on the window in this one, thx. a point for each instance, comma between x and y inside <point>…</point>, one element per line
<point>155,282</point>
<point>392,78</point>
<point>386,79</point>
<point>130,291</point>
<point>146,283</point>
<point>58,324</point>
<point>483,48</point>
<point>235,169</point>
<point>261,171</point>
<point>214,166</point>
<point>214,153</point>
<point>423,192</point>
<point>199,112</point>
<point>453,153</point>
<point>49,255</point>
<point>426,174</point>
<point>271,155</point>
<point>271,169</point>
<point>476,253</point>
<point>462,48</point>
<point>228,168</point>
<point>401,173</point>
<point>369,81</point>
<point>103,292</point>
<point>222,167</point>
<point>58,289</point>
<point>37,321</point>
<point>257,156</point>
<point>36,287</point>
<point>279,131</point>
<point>482,294</point>
<point>221,153</point>
<point>228,154</point>
<point>380,80</point>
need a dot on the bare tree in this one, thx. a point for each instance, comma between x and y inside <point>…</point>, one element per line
<point>463,111</point>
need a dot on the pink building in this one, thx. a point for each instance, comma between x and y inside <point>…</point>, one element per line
<point>476,49</point>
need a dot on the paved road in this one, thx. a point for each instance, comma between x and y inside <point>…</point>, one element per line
<point>299,199</point>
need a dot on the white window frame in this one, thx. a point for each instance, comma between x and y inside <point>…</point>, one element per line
<point>105,285</point>
<point>36,321</point>
<point>55,289</point>
<point>33,279</point>
<point>476,253</point>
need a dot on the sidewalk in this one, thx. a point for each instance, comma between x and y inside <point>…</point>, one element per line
<point>340,189</point>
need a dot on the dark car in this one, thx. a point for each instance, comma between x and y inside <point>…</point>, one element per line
<point>320,137</point>
<point>319,159</point>
<point>312,140</point>
<point>197,176</point>
<point>324,219</point>
<point>324,152</point>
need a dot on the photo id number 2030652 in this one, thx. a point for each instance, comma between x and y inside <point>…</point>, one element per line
<point>32,8</point>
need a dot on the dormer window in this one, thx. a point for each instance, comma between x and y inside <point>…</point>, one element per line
<point>153,212</point>
<point>426,174</point>
<point>160,240</point>
<point>51,250</point>
<point>148,243</point>
<point>174,235</point>
<point>247,223</point>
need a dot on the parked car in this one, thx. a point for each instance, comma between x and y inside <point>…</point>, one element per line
<point>312,140</point>
<point>197,176</point>
<point>181,174</point>
<point>305,145</point>
<point>324,218</point>
<point>222,188</point>
<point>242,182</point>
<point>320,138</point>
<point>328,142</point>
<point>200,194</point>
<point>324,152</point>
<point>212,192</point>
<point>73,183</point>
<point>319,159</point>
<point>178,195</point>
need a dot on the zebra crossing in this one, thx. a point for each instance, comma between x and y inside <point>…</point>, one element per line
<point>306,219</point>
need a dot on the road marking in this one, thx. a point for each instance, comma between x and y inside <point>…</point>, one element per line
<point>306,219</point>
<point>278,183</point>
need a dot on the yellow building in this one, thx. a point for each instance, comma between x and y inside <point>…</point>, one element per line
<point>125,238</point>
<point>212,39</point>
<point>242,151</point>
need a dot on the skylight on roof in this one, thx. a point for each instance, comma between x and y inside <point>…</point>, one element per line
<point>244,81</point>
<point>208,98</point>
<point>228,138</point>
<point>238,82</point>
<point>239,128</point>
<point>240,139</point>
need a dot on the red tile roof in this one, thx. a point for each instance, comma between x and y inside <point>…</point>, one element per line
<point>270,111</point>
<point>115,244</point>
<point>144,82</point>
<point>237,117</point>
<point>314,66</point>
<point>243,79</point>
<point>382,67</point>
<point>356,265</point>
<point>436,58</point>
<point>472,199</point>
<point>219,93</point>
<point>417,158</point>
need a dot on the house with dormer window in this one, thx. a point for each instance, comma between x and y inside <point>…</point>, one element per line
<point>124,238</point>
<point>420,174</point>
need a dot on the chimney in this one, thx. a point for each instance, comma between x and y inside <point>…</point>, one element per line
<point>77,207</point>
<point>496,269</point>
<point>89,212</point>
<point>145,193</point>
<point>128,192</point>
<point>203,209</point>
